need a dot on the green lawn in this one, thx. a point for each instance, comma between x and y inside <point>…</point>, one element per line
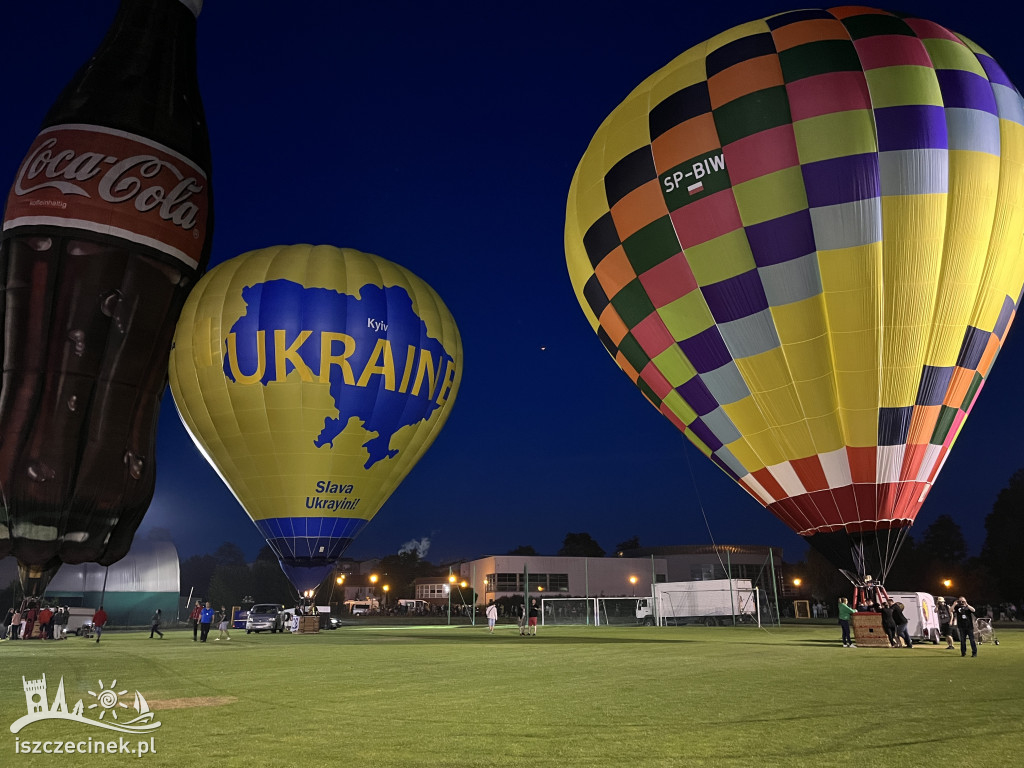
<point>574,696</point>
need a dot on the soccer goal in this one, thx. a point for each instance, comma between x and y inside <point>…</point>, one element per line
<point>560,611</point>
<point>616,611</point>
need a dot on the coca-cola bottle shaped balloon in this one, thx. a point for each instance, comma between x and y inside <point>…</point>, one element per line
<point>107,226</point>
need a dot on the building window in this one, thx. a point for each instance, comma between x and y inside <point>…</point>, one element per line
<point>558,582</point>
<point>506,582</point>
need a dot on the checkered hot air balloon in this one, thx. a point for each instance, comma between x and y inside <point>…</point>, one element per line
<point>801,240</point>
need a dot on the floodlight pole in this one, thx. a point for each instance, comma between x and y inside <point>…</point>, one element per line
<point>526,593</point>
<point>586,590</point>
<point>775,589</point>
<point>732,601</point>
<point>449,595</point>
<point>654,601</point>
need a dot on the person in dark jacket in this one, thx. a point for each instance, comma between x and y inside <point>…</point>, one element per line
<point>964,614</point>
<point>945,616</point>
<point>888,623</point>
<point>157,618</point>
<point>901,625</point>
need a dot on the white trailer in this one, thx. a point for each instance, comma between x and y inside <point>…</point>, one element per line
<point>713,602</point>
<point>922,619</point>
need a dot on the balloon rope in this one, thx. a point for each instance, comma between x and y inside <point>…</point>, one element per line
<point>700,503</point>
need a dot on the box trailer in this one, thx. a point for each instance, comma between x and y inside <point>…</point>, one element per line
<point>713,602</point>
<point>922,619</point>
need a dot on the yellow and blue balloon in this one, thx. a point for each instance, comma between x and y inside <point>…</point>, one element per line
<point>313,378</point>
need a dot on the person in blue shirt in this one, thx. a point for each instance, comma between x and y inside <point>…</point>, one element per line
<point>205,620</point>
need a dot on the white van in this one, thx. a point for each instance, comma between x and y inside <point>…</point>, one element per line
<point>361,607</point>
<point>922,619</point>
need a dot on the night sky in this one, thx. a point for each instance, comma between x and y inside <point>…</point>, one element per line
<point>443,136</point>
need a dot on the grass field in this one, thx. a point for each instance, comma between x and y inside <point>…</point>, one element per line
<point>574,696</point>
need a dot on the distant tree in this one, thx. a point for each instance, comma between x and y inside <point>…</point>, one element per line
<point>268,584</point>
<point>400,572</point>
<point>195,575</point>
<point>941,555</point>
<point>229,585</point>
<point>906,573</point>
<point>628,544</point>
<point>944,542</point>
<point>524,550</point>
<point>229,553</point>
<point>1004,532</point>
<point>580,545</point>
<point>822,579</point>
<point>266,554</point>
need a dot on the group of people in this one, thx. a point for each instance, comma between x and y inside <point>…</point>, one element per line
<point>36,620</point>
<point>528,619</point>
<point>203,617</point>
<point>895,623</point>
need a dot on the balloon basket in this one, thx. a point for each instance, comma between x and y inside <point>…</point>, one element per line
<point>868,631</point>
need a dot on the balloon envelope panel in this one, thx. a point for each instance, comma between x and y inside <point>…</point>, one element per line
<point>313,378</point>
<point>802,240</point>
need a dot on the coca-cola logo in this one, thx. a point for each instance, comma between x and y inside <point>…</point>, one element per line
<point>139,179</point>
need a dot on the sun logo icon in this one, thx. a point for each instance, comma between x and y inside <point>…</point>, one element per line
<point>108,700</point>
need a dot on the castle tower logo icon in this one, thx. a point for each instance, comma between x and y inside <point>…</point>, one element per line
<point>108,708</point>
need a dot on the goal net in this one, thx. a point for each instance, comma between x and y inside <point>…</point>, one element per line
<point>593,611</point>
<point>616,611</point>
<point>557,611</point>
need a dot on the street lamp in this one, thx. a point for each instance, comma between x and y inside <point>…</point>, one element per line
<point>632,580</point>
<point>386,588</point>
<point>947,583</point>
<point>797,582</point>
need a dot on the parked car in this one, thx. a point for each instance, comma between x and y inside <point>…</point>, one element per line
<point>266,616</point>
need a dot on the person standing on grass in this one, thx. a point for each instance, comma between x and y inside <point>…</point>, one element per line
<point>901,625</point>
<point>945,621</point>
<point>197,612</point>
<point>60,622</point>
<point>28,621</point>
<point>888,623</point>
<point>965,623</point>
<point>45,617</point>
<point>223,625</point>
<point>534,614</point>
<point>156,625</point>
<point>98,620</point>
<point>845,612</point>
<point>492,616</point>
<point>205,620</point>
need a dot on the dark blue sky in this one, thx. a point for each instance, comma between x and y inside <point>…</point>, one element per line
<point>443,136</point>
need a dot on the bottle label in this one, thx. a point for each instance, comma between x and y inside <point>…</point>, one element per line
<point>112,183</point>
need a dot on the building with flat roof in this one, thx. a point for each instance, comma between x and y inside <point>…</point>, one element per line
<point>500,576</point>
<point>626,574</point>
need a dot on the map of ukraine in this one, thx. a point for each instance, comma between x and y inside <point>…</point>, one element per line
<point>381,406</point>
